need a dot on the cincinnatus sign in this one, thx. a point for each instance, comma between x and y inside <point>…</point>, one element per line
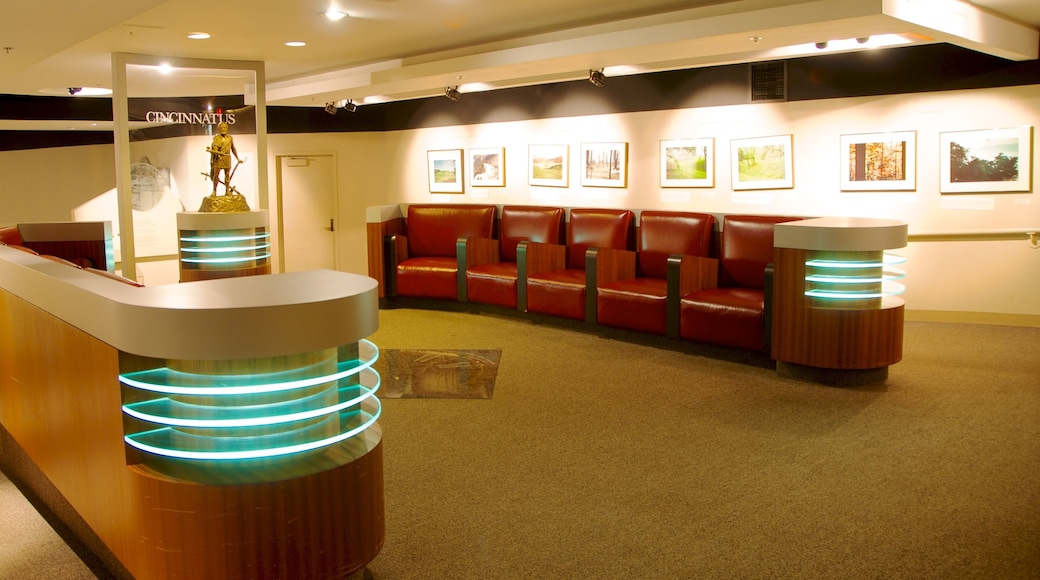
<point>189,118</point>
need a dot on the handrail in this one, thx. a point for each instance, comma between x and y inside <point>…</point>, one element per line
<point>1031,235</point>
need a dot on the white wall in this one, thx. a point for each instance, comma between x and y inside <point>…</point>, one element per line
<point>970,281</point>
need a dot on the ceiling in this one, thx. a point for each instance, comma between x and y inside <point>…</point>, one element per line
<point>402,49</point>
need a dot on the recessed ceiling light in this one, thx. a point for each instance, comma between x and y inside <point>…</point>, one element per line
<point>335,15</point>
<point>295,43</point>
<point>198,35</point>
<point>165,68</point>
<point>79,92</point>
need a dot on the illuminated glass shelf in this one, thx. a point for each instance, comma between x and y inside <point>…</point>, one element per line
<point>164,380</point>
<point>852,280</point>
<point>196,416</point>
<point>174,413</point>
<point>170,442</point>
<point>225,239</point>
<point>888,260</point>
<point>225,249</point>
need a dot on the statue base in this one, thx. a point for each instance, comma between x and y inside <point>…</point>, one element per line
<point>224,203</point>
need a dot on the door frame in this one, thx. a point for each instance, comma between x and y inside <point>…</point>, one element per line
<point>278,202</point>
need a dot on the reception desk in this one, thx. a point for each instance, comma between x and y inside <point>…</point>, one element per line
<point>836,311</point>
<point>221,429</point>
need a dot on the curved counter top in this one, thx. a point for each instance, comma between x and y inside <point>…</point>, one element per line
<point>232,318</point>
<point>843,234</point>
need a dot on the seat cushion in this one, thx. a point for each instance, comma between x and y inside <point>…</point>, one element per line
<point>638,304</point>
<point>557,293</point>
<point>428,277</point>
<point>730,317</point>
<point>492,284</point>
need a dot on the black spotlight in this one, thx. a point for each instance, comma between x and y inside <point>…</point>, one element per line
<point>350,106</point>
<point>596,77</point>
<point>452,93</point>
<point>75,90</point>
<point>821,45</point>
<point>330,108</point>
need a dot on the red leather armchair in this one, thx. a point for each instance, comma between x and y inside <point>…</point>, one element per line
<point>490,266</point>
<point>734,313</point>
<point>562,291</point>
<point>423,262</point>
<point>637,299</point>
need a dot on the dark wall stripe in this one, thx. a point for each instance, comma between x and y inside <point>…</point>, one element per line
<point>891,71</point>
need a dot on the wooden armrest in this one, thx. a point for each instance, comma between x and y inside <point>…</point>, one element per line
<point>534,258</point>
<point>604,265</point>
<point>472,251</point>
<point>475,251</point>
<point>608,265</point>
<point>395,251</point>
<point>687,274</point>
<point>694,273</point>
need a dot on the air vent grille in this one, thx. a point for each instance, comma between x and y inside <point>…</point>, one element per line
<point>768,81</point>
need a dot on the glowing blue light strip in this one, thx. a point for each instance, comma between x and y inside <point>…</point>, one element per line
<point>226,250</point>
<point>255,421</point>
<point>894,290</point>
<point>888,260</point>
<point>207,239</point>
<point>248,389</point>
<point>225,260</point>
<point>256,453</point>
<point>889,274</point>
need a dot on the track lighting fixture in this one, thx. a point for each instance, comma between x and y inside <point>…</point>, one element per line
<point>596,77</point>
<point>330,108</point>
<point>349,106</point>
<point>821,45</point>
<point>452,93</point>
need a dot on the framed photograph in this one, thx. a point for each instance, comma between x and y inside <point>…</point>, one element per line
<point>445,170</point>
<point>879,162</point>
<point>986,161</point>
<point>548,165</point>
<point>604,164</point>
<point>688,163</point>
<point>487,167</point>
<point>762,162</point>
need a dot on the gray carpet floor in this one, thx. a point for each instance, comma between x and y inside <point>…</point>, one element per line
<point>598,457</point>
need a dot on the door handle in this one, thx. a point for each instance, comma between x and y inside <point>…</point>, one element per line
<point>332,225</point>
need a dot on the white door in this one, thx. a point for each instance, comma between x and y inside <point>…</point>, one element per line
<point>307,212</point>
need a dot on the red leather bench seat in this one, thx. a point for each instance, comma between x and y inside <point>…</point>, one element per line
<point>732,314</point>
<point>640,303</point>
<point>431,270</point>
<point>562,292</point>
<point>496,283</point>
